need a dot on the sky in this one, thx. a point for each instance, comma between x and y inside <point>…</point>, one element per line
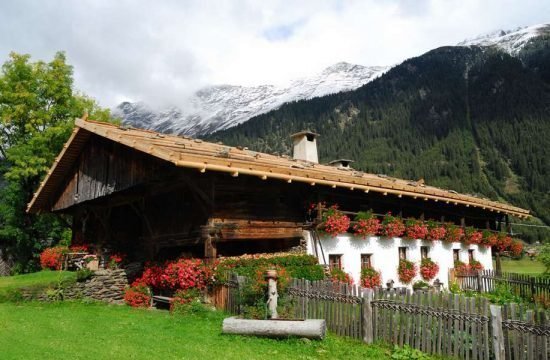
<point>160,52</point>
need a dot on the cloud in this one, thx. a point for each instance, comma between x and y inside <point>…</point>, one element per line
<point>160,52</point>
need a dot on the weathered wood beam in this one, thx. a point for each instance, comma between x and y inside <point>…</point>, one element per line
<point>235,229</point>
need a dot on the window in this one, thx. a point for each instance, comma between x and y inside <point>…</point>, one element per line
<point>366,261</point>
<point>403,253</point>
<point>456,255</point>
<point>424,252</point>
<point>335,261</point>
<point>471,255</point>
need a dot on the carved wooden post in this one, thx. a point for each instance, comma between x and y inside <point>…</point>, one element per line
<point>271,276</point>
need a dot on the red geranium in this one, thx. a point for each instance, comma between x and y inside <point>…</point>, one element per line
<point>137,296</point>
<point>406,271</point>
<point>370,278</point>
<point>435,231</point>
<point>115,260</point>
<point>339,275</point>
<point>473,236</point>
<point>51,258</point>
<point>461,268</point>
<point>335,222</point>
<point>489,238</point>
<point>416,229</point>
<point>367,224</point>
<point>475,265</point>
<point>503,243</point>
<point>392,226</point>
<point>428,269</point>
<point>453,233</point>
<point>79,248</point>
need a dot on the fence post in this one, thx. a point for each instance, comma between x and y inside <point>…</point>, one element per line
<point>497,332</point>
<point>366,316</point>
<point>533,287</point>
<point>479,282</point>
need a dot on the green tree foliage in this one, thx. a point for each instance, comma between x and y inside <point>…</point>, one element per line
<point>469,119</point>
<point>38,106</point>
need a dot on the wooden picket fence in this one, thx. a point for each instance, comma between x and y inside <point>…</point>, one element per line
<point>434,322</point>
<point>339,304</point>
<point>526,332</point>
<point>225,295</point>
<point>528,287</point>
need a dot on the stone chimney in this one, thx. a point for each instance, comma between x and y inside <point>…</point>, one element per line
<point>305,146</point>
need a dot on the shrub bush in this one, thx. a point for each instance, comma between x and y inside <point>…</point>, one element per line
<point>51,257</point>
<point>138,296</point>
<point>84,274</point>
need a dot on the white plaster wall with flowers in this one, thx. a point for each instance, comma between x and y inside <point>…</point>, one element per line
<point>385,254</point>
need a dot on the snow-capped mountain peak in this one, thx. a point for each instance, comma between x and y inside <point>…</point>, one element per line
<point>511,41</point>
<point>222,106</point>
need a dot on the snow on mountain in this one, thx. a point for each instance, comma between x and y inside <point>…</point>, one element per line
<point>511,41</point>
<point>223,106</point>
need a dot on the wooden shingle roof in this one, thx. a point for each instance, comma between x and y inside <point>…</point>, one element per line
<point>204,156</point>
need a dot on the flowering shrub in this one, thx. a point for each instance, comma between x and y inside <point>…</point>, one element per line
<point>428,269</point>
<point>473,236</point>
<point>475,265</point>
<point>392,226</point>
<point>435,231</point>
<point>137,296</point>
<point>516,248</point>
<point>367,224</point>
<point>453,233</point>
<point>181,274</point>
<point>489,238</point>
<point>339,275</point>
<point>115,260</point>
<point>185,274</point>
<point>335,222</point>
<point>182,297</point>
<point>51,258</point>
<point>416,229</point>
<point>406,271</point>
<point>370,278</point>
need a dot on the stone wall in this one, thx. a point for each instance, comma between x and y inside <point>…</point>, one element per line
<point>104,285</point>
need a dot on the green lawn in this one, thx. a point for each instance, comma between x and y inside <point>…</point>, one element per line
<point>74,330</point>
<point>42,279</point>
<point>523,266</point>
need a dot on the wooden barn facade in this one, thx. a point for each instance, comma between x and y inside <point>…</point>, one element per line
<point>156,196</point>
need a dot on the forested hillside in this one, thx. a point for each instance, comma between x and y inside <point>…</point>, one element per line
<point>471,119</point>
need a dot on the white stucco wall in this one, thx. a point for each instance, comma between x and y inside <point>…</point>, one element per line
<point>385,254</point>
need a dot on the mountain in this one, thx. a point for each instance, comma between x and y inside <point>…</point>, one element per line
<point>220,107</point>
<point>511,41</point>
<point>470,118</point>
